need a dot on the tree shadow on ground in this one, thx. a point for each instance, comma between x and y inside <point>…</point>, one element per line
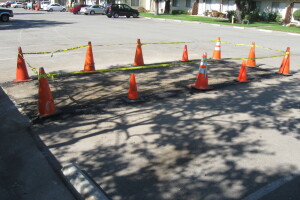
<point>179,144</point>
<point>27,24</point>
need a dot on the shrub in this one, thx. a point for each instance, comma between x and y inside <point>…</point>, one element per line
<point>255,16</point>
<point>177,12</point>
<point>296,15</point>
<point>231,13</point>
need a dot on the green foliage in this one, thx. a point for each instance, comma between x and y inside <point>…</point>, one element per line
<point>231,13</point>
<point>296,15</point>
<point>178,12</point>
<point>255,16</point>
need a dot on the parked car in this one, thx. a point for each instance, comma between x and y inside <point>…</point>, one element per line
<point>44,4</point>
<point>94,9</point>
<point>17,5</point>
<point>76,9</point>
<point>7,4</point>
<point>55,7</point>
<point>5,14</point>
<point>116,10</point>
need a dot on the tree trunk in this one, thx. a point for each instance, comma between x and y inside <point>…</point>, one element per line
<point>156,7</point>
<point>288,14</point>
<point>238,11</point>
<point>195,8</point>
<point>167,6</point>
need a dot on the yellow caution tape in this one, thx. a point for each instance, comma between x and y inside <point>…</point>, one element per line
<point>148,66</point>
<point>141,67</point>
<point>153,43</point>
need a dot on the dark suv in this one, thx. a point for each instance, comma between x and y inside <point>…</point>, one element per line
<point>116,10</point>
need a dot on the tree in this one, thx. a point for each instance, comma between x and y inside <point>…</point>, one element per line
<point>156,7</point>
<point>243,7</point>
<point>167,6</point>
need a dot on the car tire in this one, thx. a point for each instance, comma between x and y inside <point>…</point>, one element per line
<point>128,16</point>
<point>116,15</point>
<point>63,10</point>
<point>50,10</point>
<point>108,16</point>
<point>134,15</point>
<point>4,18</point>
<point>92,12</point>
<point>86,13</point>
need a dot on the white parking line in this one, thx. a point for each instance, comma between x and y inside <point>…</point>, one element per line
<point>238,27</point>
<point>269,31</point>
<point>271,187</point>
<point>296,34</point>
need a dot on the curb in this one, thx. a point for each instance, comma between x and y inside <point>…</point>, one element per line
<point>83,183</point>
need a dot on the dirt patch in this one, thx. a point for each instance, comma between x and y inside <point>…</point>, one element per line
<point>89,93</point>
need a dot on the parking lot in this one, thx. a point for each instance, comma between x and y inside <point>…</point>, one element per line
<point>227,143</point>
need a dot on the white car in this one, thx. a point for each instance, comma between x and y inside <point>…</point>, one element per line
<point>55,7</point>
<point>94,9</point>
<point>17,5</point>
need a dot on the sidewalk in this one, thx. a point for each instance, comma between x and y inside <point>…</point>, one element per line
<point>24,171</point>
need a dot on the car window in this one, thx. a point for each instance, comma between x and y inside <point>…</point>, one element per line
<point>127,7</point>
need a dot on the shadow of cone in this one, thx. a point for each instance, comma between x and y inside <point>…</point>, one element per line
<point>138,59</point>
<point>89,64</point>
<point>217,51</point>
<point>242,77</point>
<point>132,91</point>
<point>46,105</point>
<point>251,62</point>
<point>21,72</point>
<point>185,56</point>
<point>202,77</point>
<point>285,64</point>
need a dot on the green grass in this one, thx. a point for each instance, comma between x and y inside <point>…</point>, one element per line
<point>261,25</point>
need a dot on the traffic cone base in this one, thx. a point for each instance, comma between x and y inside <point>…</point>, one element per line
<point>19,81</point>
<point>127,100</point>
<point>193,86</point>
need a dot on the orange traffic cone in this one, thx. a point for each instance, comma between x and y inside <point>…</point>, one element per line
<point>89,64</point>
<point>217,51</point>
<point>132,91</point>
<point>138,59</point>
<point>185,56</point>
<point>251,58</point>
<point>285,64</point>
<point>243,72</point>
<point>46,104</point>
<point>21,73</point>
<point>202,77</point>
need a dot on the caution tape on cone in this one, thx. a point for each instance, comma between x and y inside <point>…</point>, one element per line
<point>51,76</point>
<point>153,43</point>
